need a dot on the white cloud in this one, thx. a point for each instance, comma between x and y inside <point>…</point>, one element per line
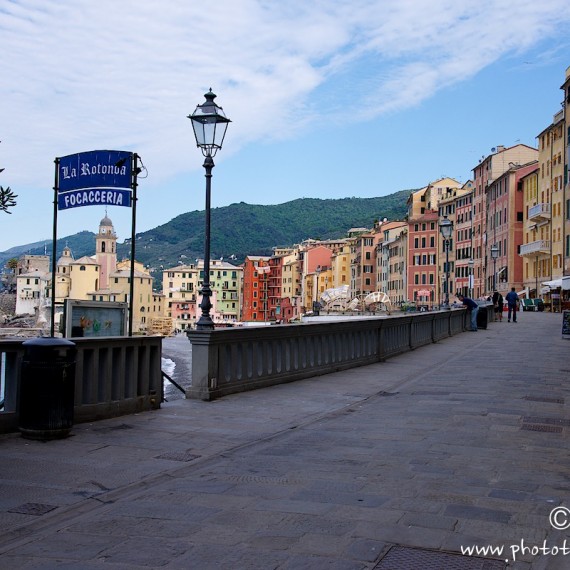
<point>78,75</point>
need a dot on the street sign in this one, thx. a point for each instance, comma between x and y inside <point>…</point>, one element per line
<point>95,169</point>
<point>93,197</point>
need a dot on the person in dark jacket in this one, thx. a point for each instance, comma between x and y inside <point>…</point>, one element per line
<point>473,308</point>
<point>498,304</point>
<point>512,301</point>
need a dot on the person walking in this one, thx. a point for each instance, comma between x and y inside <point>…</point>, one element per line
<point>498,304</point>
<point>473,308</point>
<point>512,302</point>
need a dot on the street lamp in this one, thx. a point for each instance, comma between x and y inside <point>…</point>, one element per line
<point>494,255</point>
<point>209,123</point>
<point>446,229</point>
<point>471,264</point>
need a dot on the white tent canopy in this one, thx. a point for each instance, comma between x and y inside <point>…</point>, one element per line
<point>563,282</point>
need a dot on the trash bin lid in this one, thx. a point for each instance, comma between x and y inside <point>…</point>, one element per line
<point>48,347</point>
<point>48,342</point>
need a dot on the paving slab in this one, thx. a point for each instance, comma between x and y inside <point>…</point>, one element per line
<point>455,445</point>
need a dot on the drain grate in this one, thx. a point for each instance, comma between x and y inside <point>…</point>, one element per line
<point>547,421</point>
<point>178,456</point>
<point>542,427</point>
<point>36,509</point>
<point>404,558</point>
<point>543,399</point>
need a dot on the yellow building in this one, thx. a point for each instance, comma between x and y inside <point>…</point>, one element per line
<point>291,280</point>
<point>147,305</point>
<point>566,181</point>
<point>63,281</point>
<point>391,261</point>
<point>101,278</point>
<point>181,287</point>
<point>84,278</point>
<point>543,245</point>
<point>340,266</point>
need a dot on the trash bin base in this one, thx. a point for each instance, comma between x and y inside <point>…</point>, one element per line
<point>45,435</point>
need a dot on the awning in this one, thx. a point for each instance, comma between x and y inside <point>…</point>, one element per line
<point>563,282</point>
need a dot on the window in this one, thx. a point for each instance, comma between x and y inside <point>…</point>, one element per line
<point>82,268</point>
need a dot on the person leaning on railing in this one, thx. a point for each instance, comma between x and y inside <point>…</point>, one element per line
<point>473,308</point>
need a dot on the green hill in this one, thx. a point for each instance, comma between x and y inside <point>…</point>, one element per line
<point>239,230</point>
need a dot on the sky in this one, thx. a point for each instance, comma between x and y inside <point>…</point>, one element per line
<point>327,98</point>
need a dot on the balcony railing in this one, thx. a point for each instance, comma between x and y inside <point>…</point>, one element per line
<point>539,212</point>
<point>535,247</point>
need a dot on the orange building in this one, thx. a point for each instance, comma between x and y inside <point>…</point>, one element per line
<point>463,236</point>
<point>422,259</point>
<point>256,278</point>
<point>505,221</point>
<point>488,170</point>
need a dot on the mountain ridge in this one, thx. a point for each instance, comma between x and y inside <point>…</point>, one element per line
<point>238,230</point>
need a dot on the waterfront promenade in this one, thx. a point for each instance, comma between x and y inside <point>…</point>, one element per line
<point>399,464</point>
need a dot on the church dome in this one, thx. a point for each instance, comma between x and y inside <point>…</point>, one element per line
<point>66,258</point>
<point>106,222</point>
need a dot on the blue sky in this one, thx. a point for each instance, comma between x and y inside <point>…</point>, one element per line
<point>328,99</point>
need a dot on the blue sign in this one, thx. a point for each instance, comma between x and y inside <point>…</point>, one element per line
<point>95,169</point>
<point>93,197</point>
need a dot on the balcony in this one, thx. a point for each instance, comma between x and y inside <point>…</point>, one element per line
<point>539,213</point>
<point>534,248</point>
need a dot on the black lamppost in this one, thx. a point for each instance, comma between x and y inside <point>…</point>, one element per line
<point>446,229</point>
<point>494,255</point>
<point>209,123</point>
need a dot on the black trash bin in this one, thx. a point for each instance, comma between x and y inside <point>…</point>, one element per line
<point>482,317</point>
<point>47,388</point>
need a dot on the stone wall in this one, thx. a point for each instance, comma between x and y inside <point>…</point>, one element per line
<point>7,304</point>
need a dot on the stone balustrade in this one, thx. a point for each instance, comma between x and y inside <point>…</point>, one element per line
<point>234,360</point>
<point>122,375</point>
<point>113,377</point>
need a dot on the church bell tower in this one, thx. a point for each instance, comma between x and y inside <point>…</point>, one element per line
<point>106,251</point>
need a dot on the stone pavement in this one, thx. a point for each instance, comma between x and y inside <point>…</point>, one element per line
<point>397,465</point>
